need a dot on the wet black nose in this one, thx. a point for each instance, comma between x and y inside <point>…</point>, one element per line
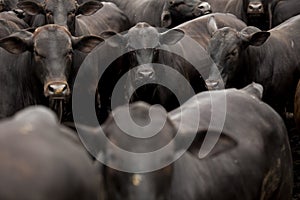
<point>255,7</point>
<point>205,8</point>
<point>145,75</point>
<point>212,84</point>
<point>57,88</point>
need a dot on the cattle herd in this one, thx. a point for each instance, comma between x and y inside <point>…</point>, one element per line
<point>85,83</point>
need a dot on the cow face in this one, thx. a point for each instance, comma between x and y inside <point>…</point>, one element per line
<point>227,46</point>
<point>147,186</point>
<point>142,42</point>
<point>61,12</point>
<point>178,11</point>
<point>52,51</point>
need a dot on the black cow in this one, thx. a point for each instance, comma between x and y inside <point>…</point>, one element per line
<point>109,17</point>
<point>269,58</point>
<point>252,12</point>
<point>283,10</point>
<point>251,158</point>
<point>141,51</point>
<point>42,160</point>
<point>197,28</point>
<point>42,69</point>
<point>162,13</point>
<point>58,12</point>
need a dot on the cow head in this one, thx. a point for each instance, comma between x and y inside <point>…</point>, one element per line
<point>61,12</point>
<point>147,186</point>
<point>227,46</point>
<point>143,42</point>
<point>52,51</point>
<point>135,137</point>
<point>177,11</point>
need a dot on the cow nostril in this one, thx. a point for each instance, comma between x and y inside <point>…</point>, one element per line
<point>260,7</point>
<point>145,75</point>
<point>201,7</point>
<point>251,7</point>
<point>57,89</point>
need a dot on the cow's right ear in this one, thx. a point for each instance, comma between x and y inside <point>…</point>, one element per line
<point>113,39</point>
<point>15,44</point>
<point>31,7</point>
<point>86,43</point>
<point>206,144</point>
<point>254,89</point>
<point>89,8</point>
<point>212,25</point>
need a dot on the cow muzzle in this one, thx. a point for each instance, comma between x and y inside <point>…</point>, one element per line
<point>212,84</point>
<point>57,89</point>
<point>144,75</point>
<point>255,8</point>
<point>203,8</point>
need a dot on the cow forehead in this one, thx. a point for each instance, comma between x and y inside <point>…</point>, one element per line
<point>140,38</point>
<point>66,4</point>
<point>224,37</point>
<point>52,32</point>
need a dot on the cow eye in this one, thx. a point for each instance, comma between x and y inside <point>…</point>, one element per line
<point>70,52</point>
<point>133,53</point>
<point>38,55</point>
<point>155,52</point>
<point>176,3</point>
<point>72,12</point>
<point>49,12</point>
<point>234,52</point>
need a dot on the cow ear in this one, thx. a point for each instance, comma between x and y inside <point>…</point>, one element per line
<point>207,144</point>
<point>113,39</point>
<point>86,43</point>
<point>171,36</point>
<point>31,7</point>
<point>15,44</point>
<point>212,25</point>
<point>254,89</point>
<point>89,8</point>
<point>259,38</point>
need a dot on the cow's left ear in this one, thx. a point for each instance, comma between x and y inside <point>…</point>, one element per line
<point>89,8</point>
<point>31,7</point>
<point>258,38</point>
<point>171,36</point>
<point>15,44</point>
<point>86,43</point>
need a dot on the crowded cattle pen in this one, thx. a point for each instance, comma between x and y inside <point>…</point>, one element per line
<point>150,99</point>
